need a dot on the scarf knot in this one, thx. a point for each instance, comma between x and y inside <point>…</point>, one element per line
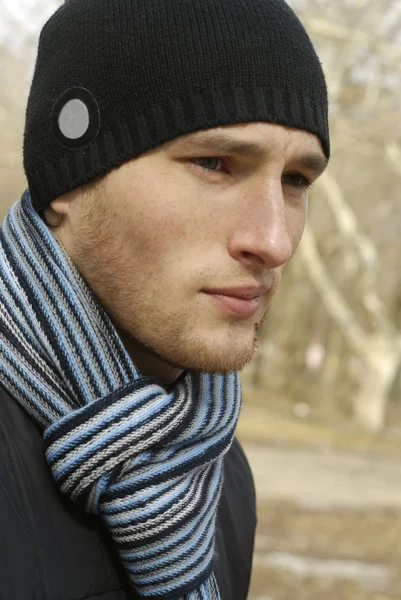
<point>148,461</point>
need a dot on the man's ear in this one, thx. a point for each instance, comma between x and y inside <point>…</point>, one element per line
<point>62,204</point>
<point>51,217</point>
<point>59,208</point>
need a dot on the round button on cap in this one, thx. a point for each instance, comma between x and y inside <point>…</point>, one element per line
<point>75,118</point>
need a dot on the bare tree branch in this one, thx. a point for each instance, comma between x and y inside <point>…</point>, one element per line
<point>334,301</point>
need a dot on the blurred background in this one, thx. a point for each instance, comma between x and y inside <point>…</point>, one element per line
<point>321,422</point>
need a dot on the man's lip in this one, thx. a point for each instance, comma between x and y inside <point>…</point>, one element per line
<point>246,293</point>
<point>236,305</point>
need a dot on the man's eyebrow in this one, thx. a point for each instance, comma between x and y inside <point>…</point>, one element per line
<point>316,163</point>
<point>221,143</point>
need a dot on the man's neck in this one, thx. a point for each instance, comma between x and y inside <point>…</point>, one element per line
<point>147,362</point>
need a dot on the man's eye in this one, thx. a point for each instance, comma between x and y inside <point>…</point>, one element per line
<point>296,180</point>
<point>210,163</point>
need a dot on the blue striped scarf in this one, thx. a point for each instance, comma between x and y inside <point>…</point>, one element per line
<point>148,461</point>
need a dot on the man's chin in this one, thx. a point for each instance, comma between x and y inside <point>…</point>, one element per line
<point>218,362</point>
<point>207,353</point>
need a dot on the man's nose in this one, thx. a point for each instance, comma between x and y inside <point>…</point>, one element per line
<point>262,233</point>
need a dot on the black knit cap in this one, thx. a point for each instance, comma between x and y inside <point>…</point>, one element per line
<point>115,78</point>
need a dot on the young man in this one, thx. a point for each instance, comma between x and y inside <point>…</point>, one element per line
<point>169,147</point>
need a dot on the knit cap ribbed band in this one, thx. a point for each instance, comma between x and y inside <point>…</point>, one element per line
<point>157,69</point>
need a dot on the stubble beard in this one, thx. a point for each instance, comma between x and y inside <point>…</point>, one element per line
<point>182,349</point>
<point>185,343</point>
<point>177,346</point>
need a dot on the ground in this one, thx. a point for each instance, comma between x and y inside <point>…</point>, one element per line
<point>329,514</point>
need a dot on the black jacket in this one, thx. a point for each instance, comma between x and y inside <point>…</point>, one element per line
<point>50,550</point>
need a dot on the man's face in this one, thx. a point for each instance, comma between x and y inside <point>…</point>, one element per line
<point>185,245</point>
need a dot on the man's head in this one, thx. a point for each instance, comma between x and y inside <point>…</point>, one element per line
<point>198,127</point>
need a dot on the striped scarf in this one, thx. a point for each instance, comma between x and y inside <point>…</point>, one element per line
<point>148,461</point>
